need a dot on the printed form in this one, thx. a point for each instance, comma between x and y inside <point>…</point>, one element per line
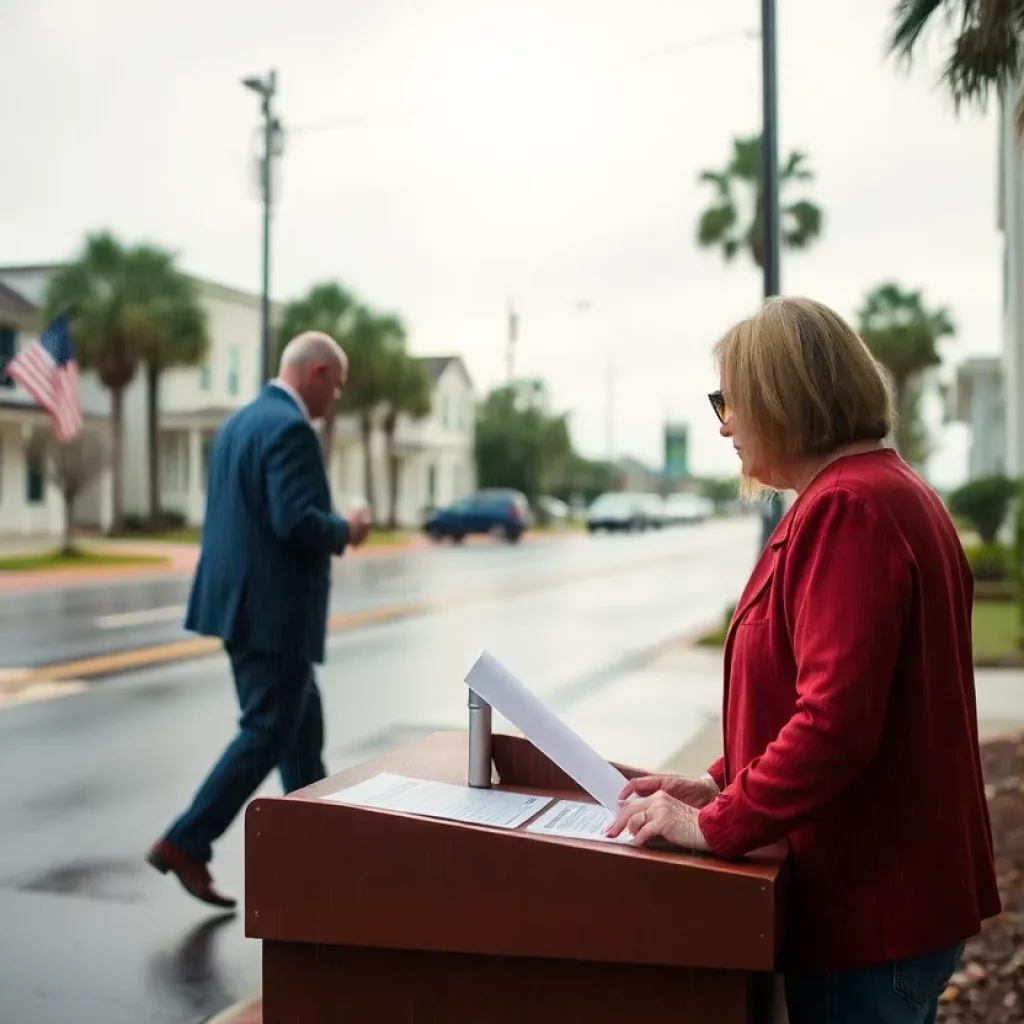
<point>430,799</point>
<point>574,820</point>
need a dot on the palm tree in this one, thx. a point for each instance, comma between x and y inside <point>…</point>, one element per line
<point>904,335</point>
<point>105,324</point>
<point>986,52</point>
<point>129,306</point>
<point>176,336</point>
<point>330,308</point>
<point>371,341</point>
<point>408,392</point>
<point>720,225</point>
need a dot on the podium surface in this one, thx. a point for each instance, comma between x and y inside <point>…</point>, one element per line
<point>372,915</point>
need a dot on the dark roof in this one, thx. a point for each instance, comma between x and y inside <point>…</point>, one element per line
<point>436,365</point>
<point>14,302</point>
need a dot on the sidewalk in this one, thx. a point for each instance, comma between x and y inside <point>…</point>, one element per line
<point>666,716</point>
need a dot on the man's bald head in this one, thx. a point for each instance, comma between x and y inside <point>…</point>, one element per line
<point>311,347</point>
<point>316,366</point>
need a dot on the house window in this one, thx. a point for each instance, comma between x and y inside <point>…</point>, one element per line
<point>34,486</point>
<point>233,370</point>
<point>444,411</point>
<point>204,376</point>
<point>8,350</point>
<point>431,486</point>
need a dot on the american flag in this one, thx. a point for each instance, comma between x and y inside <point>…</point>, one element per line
<point>48,372</point>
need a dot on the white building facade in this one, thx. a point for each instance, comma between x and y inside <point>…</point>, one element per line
<point>979,400</point>
<point>436,454</point>
<point>1011,224</point>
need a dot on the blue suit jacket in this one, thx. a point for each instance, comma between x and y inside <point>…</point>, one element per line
<point>264,574</point>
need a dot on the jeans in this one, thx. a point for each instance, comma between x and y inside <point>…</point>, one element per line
<point>895,992</point>
<point>281,726</point>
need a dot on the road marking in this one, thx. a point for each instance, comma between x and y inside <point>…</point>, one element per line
<point>35,692</point>
<point>141,618</point>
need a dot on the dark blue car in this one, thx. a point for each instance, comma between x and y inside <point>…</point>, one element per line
<point>497,511</point>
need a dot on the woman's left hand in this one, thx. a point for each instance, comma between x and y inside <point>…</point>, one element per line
<point>659,816</point>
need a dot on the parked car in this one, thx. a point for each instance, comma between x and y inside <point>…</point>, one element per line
<point>688,508</point>
<point>617,511</point>
<point>505,513</point>
<point>553,509</point>
<point>654,509</point>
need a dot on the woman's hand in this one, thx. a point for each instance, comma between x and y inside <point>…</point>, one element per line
<point>659,816</point>
<point>694,792</point>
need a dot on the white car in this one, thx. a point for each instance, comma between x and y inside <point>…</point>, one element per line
<point>618,512</point>
<point>688,508</point>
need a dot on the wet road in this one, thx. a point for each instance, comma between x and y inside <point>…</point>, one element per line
<point>40,628</point>
<point>91,935</point>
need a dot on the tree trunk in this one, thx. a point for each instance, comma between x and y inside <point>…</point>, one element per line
<point>901,432</point>
<point>153,440</point>
<point>117,460</point>
<point>366,430</point>
<point>327,440</point>
<point>392,461</point>
<point>69,524</point>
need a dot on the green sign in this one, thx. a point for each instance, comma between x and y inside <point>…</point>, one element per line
<point>677,445</point>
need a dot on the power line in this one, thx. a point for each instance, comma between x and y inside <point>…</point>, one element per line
<point>596,71</point>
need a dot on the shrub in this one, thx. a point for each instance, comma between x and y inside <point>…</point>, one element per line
<point>984,503</point>
<point>990,563</point>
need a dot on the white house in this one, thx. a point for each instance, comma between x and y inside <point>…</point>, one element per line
<point>979,401</point>
<point>436,454</point>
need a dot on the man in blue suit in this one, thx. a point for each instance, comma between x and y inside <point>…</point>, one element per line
<point>262,587</point>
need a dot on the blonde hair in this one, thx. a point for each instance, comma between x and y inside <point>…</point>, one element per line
<point>802,381</point>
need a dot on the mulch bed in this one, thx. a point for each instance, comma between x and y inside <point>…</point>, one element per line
<point>989,987</point>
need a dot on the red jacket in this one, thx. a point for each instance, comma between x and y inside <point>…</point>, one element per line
<point>850,724</point>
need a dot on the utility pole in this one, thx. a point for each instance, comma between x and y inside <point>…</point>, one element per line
<point>272,146</point>
<point>770,151</point>
<point>510,349</point>
<point>609,411</point>
<point>770,203</point>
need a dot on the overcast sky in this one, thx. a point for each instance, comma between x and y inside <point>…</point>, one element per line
<point>543,149</point>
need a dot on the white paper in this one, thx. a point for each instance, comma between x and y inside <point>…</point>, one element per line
<point>575,820</point>
<point>442,800</point>
<point>545,730</point>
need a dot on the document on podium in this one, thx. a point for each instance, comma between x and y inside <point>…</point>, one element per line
<point>573,819</point>
<point>545,730</point>
<point>430,799</point>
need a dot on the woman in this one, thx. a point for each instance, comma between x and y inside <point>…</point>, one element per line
<point>849,714</point>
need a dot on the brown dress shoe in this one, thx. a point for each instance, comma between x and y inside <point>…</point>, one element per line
<point>194,877</point>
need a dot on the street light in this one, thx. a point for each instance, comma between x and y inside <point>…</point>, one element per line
<point>579,306</point>
<point>273,145</point>
<point>770,179</point>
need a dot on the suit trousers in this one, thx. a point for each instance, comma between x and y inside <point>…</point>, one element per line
<point>281,725</point>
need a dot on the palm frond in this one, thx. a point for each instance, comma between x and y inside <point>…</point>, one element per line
<point>715,224</point>
<point>912,17</point>
<point>802,224</point>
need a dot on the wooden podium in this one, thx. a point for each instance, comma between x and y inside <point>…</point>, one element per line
<point>372,916</point>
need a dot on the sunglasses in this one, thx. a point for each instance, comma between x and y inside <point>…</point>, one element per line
<point>717,400</point>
